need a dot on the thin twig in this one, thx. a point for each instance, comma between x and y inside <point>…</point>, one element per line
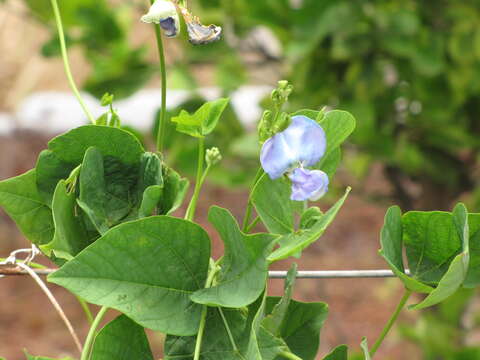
<point>306,274</point>
<point>56,305</point>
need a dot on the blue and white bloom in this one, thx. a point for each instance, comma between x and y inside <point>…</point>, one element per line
<point>301,144</point>
<point>164,12</point>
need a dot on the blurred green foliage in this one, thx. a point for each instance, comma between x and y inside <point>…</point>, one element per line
<point>102,32</point>
<point>409,70</point>
<point>447,331</point>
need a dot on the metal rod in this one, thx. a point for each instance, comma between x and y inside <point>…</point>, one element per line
<point>326,274</point>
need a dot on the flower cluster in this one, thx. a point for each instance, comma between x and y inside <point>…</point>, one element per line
<point>165,13</point>
<point>301,144</point>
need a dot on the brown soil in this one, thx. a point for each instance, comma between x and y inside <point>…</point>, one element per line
<point>357,307</point>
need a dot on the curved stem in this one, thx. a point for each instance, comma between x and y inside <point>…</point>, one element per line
<point>390,322</point>
<point>66,63</point>
<point>229,332</point>
<point>203,318</point>
<point>91,333</point>
<point>163,72</point>
<point>248,210</point>
<point>190,214</point>
<point>85,309</point>
<point>252,225</point>
<point>54,302</point>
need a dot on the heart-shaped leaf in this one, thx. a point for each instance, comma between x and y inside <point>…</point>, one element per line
<point>301,326</point>
<point>392,249</point>
<point>203,121</point>
<point>121,339</point>
<point>71,236</point>
<point>65,152</point>
<point>22,202</point>
<point>457,270</point>
<point>146,269</point>
<point>244,266</point>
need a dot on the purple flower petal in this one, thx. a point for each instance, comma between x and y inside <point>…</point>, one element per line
<point>302,141</point>
<point>308,184</point>
<point>169,27</point>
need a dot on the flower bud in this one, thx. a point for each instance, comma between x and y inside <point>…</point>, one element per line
<point>164,12</point>
<point>265,126</point>
<point>213,156</point>
<point>107,99</point>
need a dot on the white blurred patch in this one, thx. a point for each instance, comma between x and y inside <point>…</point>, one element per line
<point>6,124</point>
<point>54,112</point>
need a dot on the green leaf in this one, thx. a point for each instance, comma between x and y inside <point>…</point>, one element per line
<point>338,125</point>
<point>70,234</point>
<point>292,244</point>
<point>93,192</point>
<point>364,347</point>
<point>115,142</point>
<point>473,275</point>
<point>431,241</point>
<point>271,199</point>
<point>146,269</point>
<point>203,121</point>
<point>301,326</point>
<point>273,322</point>
<point>309,217</point>
<point>22,202</point>
<point>67,151</point>
<point>339,353</point>
<point>50,169</point>
<point>150,200</point>
<point>150,173</point>
<point>121,339</point>
<point>261,344</point>
<point>174,190</point>
<point>392,245</point>
<point>244,267</point>
<point>330,162</point>
<point>216,344</point>
<point>457,271</point>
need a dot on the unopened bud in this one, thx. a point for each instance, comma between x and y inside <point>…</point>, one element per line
<point>107,99</point>
<point>213,156</point>
<point>265,126</point>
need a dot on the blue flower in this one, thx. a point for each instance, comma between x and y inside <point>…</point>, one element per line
<point>308,184</point>
<point>301,144</point>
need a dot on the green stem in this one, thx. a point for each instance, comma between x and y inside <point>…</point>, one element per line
<point>91,333</point>
<point>203,318</point>
<point>86,310</point>
<point>163,72</point>
<point>190,214</point>
<point>390,322</point>
<point>66,64</point>
<point>290,355</point>
<point>252,225</point>
<point>229,332</point>
<point>248,210</point>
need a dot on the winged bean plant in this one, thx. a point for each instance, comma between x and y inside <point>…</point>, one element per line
<point>109,213</point>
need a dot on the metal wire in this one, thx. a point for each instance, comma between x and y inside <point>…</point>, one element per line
<point>306,274</point>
